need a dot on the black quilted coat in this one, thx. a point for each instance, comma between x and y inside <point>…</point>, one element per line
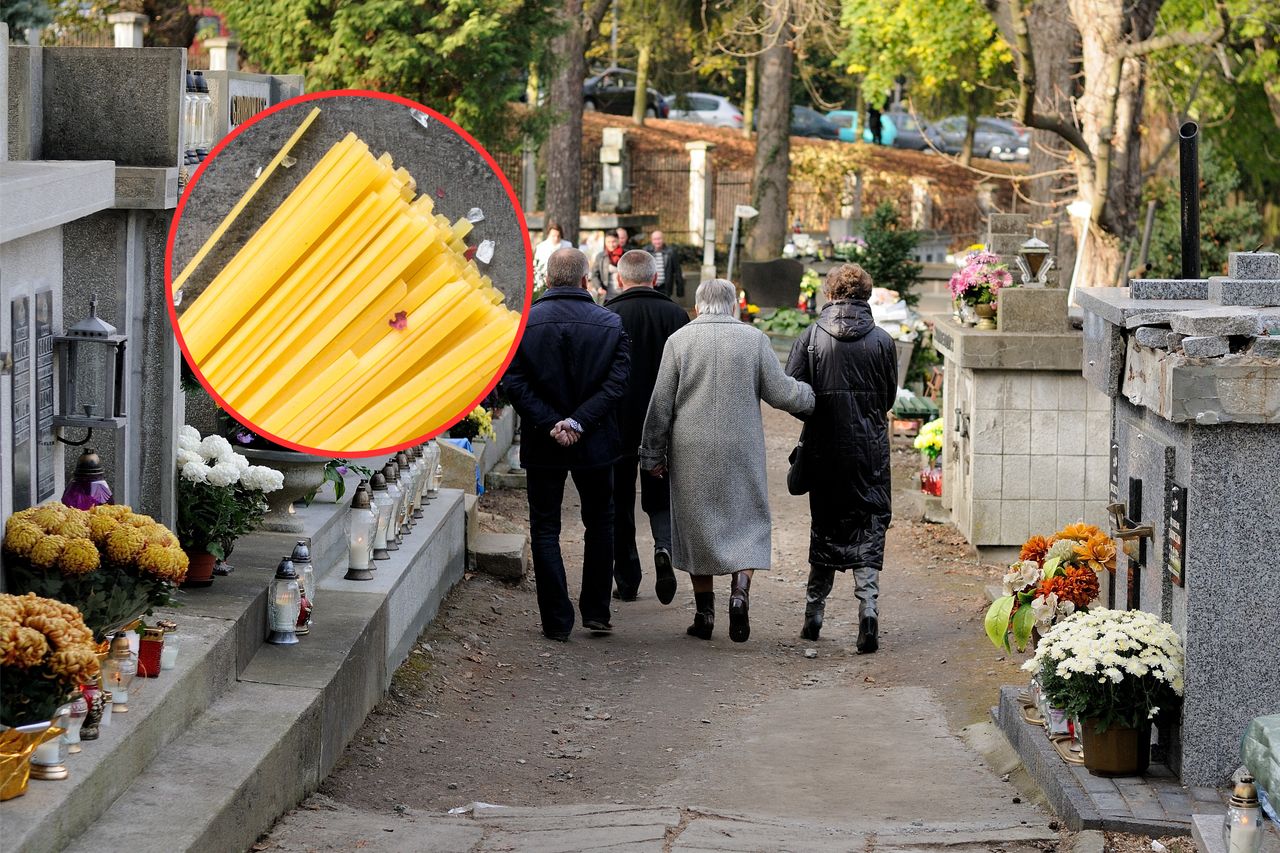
<point>855,378</point>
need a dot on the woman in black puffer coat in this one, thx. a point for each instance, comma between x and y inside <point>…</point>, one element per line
<point>846,445</point>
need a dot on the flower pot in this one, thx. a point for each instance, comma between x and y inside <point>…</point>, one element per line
<point>303,474</point>
<point>1117,751</point>
<point>16,746</point>
<point>986,316</point>
<point>200,570</point>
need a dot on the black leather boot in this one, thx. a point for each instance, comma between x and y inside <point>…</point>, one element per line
<point>868,631</point>
<point>704,617</point>
<point>816,592</point>
<point>739,604</point>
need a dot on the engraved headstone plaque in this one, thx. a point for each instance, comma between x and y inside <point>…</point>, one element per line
<point>45,479</point>
<point>1176,527</point>
<point>21,395</point>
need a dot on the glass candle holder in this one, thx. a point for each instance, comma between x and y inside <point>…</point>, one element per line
<point>284,602</point>
<point>169,654</point>
<point>383,505</point>
<point>77,712</point>
<point>362,525</point>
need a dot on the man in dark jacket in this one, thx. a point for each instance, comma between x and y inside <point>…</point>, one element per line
<point>567,377</point>
<point>604,269</point>
<point>853,368</point>
<point>649,318</point>
<point>670,276</point>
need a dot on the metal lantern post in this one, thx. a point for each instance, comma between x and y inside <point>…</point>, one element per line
<point>93,374</point>
<point>740,212</point>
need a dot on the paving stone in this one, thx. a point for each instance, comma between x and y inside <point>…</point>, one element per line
<point>1254,265</point>
<point>1089,841</point>
<point>1265,346</point>
<point>503,555</point>
<point>1210,346</point>
<point>1216,321</point>
<point>1169,288</point>
<point>1205,795</point>
<point>1259,292</point>
<point>1156,337</point>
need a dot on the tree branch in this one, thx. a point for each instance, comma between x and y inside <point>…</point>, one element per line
<point>1183,39</point>
<point>591,19</point>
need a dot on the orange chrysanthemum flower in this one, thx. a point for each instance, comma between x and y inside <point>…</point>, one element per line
<point>1034,549</point>
<point>1098,552</point>
<point>1079,586</point>
<point>1078,531</point>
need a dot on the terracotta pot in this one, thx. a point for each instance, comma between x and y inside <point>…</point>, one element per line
<point>1117,751</point>
<point>200,570</point>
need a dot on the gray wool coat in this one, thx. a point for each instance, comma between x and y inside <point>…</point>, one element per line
<point>704,423</point>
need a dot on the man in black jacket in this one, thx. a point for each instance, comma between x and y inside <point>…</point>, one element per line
<point>670,277</point>
<point>649,318</point>
<point>566,379</point>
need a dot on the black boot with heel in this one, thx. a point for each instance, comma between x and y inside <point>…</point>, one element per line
<point>739,605</point>
<point>704,617</point>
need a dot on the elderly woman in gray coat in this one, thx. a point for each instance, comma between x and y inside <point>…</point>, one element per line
<point>703,430</point>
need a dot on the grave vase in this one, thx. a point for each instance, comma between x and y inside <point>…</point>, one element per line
<point>1118,751</point>
<point>986,312</point>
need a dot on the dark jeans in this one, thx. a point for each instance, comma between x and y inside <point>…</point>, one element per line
<point>546,493</point>
<point>655,500</point>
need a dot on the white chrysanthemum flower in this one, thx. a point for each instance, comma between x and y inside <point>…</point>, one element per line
<point>223,474</point>
<point>216,448</point>
<point>262,479</point>
<point>189,433</point>
<point>241,463</point>
<point>185,456</point>
<point>196,472</point>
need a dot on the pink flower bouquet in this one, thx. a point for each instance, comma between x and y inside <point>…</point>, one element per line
<point>981,278</point>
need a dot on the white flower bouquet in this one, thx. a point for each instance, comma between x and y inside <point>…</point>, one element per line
<point>220,495</point>
<point>1110,667</point>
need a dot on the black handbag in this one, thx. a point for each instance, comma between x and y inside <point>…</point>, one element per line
<point>797,474</point>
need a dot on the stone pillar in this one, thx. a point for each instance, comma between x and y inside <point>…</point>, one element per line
<point>701,191</point>
<point>708,251</point>
<point>128,28</point>
<point>921,204</point>
<point>224,53</point>
<point>4,91</point>
<point>529,177</point>
<point>615,172</point>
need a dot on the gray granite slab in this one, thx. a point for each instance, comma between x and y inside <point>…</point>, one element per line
<point>1156,337</point>
<point>444,165</point>
<point>1254,265</point>
<point>1205,347</point>
<point>39,195</point>
<point>1033,309</point>
<point>1169,288</point>
<point>1116,305</point>
<point>1265,346</point>
<point>1224,320</point>
<point>1259,292</point>
<point>1103,351</point>
<point>1008,223</point>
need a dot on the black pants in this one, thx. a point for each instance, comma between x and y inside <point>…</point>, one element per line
<point>546,494</point>
<point>655,500</point>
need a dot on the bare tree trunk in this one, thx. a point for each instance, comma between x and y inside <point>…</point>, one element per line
<point>970,128</point>
<point>641,102</point>
<point>770,183</point>
<point>749,97</point>
<point>1057,50</point>
<point>564,144</point>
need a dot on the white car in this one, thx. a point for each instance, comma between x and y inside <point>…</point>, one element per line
<point>704,108</point>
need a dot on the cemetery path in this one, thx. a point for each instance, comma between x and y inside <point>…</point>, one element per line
<point>695,745</point>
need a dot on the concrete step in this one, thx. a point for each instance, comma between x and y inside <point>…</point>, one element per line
<point>213,752</point>
<point>505,476</point>
<point>503,555</point>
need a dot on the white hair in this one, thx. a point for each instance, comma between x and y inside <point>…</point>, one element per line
<point>637,267</point>
<point>717,296</point>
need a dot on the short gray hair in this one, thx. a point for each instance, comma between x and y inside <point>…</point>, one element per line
<point>565,268</point>
<point>717,296</point>
<point>637,267</point>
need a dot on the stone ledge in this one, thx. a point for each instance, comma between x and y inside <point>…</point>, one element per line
<point>994,350</point>
<point>1206,830</point>
<point>146,188</point>
<point>42,194</point>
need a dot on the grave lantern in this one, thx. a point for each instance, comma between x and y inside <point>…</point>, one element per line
<point>88,487</point>
<point>1034,261</point>
<point>284,604</point>
<point>362,524</point>
<point>394,536</point>
<point>409,483</point>
<point>93,373</point>
<point>301,558</point>
<point>383,505</point>
<point>118,671</point>
<point>1242,830</point>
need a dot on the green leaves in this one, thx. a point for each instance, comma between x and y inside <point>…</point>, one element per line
<point>1024,621</point>
<point>997,621</point>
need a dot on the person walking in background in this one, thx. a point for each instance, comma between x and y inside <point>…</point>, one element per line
<point>624,237</point>
<point>853,368</point>
<point>553,240</point>
<point>704,431</point>
<point>567,377</point>
<point>670,276</point>
<point>649,318</point>
<point>604,269</point>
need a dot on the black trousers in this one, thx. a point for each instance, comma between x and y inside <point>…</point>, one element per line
<point>655,500</point>
<point>546,494</point>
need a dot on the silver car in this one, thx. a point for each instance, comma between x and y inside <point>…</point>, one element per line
<point>704,108</point>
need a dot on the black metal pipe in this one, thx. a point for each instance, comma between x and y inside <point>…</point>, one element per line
<point>1189,163</point>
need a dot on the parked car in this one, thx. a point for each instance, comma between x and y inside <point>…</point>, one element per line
<point>614,91</point>
<point>913,134</point>
<point>1004,125</point>
<point>704,108</point>
<point>806,121</point>
<point>989,140</point>
<point>847,122</point>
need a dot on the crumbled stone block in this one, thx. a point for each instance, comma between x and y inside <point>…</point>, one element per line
<point>1208,322</point>
<point>1254,265</point>
<point>1156,337</point>
<point>503,555</point>
<point>1259,292</point>
<point>1211,346</point>
<point>1009,223</point>
<point>1174,340</point>
<point>1032,309</point>
<point>1265,346</point>
<point>459,467</point>
<point>1169,288</point>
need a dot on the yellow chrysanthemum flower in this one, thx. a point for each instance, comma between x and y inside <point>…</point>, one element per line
<point>162,562</point>
<point>116,511</point>
<point>100,527</point>
<point>23,648</point>
<point>138,520</point>
<point>48,550</point>
<point>21,536</point>
<point>124,543</point>
<point>48,517</point>
<point>80,557</point>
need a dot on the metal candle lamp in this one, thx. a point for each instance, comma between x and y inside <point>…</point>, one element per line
<point>382,505</point>
<point>1242,830</point>
<point>1034,261</point>
<point>409,483</point>
<point>301,558</point>
<point>435,471</point>
<point>88,487</point>
<point>93,370</point>
<point>48,762</point>
<point>394,537</point>
<point>119,670</point>
<point>362,524</point>
<point>419,461</point>
<point>78,710</point>
<point>284,602</point>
